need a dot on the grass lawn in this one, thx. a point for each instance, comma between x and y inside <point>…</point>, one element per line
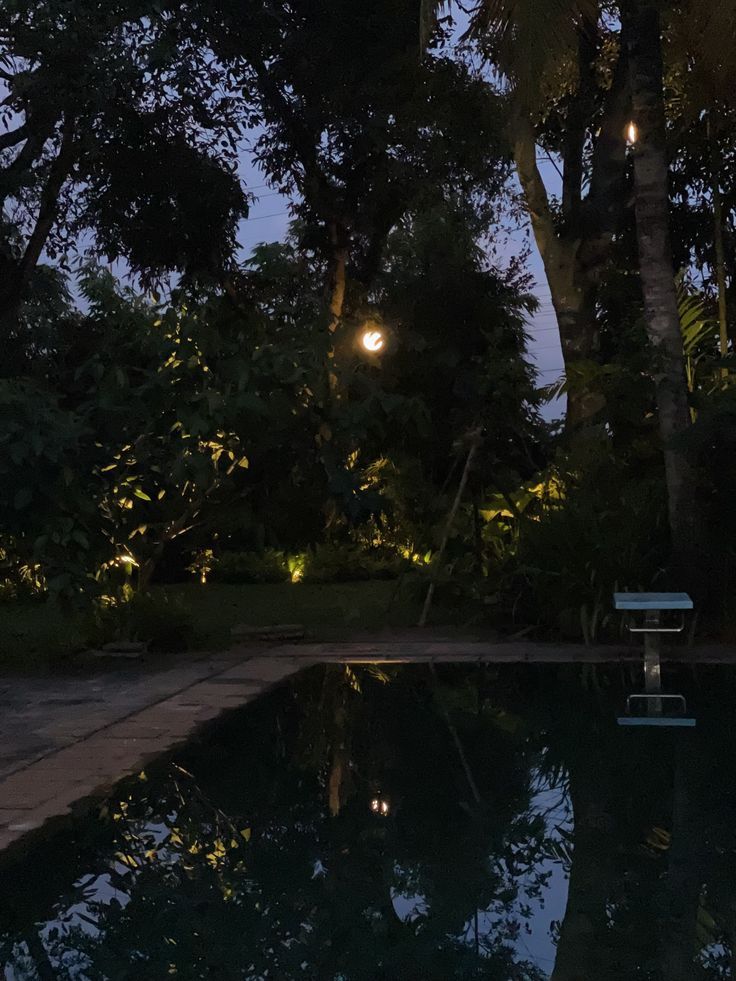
<point>35,636</point>
<point>329,611</point>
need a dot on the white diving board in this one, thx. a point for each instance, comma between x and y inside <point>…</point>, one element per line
<point>652,601</point>
<point>659,721</point>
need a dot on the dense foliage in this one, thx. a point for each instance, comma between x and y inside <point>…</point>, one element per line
<point>213,414</point>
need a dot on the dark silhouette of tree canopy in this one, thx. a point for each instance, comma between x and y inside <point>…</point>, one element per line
<point>117,125</point>
<point>355,123</point>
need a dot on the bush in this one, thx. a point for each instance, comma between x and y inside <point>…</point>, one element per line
<point>163,622</point>
<point>250,567</point>
<point>330,562</point>
<point>570,562</point>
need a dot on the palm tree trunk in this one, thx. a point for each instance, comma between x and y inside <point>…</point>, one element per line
<point>651,200</point>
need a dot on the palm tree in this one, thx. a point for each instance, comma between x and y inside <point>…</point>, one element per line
<point>527,40</point>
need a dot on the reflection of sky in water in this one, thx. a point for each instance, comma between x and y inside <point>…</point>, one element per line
<point>538,945</point>
<point>534,940</point>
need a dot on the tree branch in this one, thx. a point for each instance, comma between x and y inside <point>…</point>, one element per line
<point>315,186</point>
<point>29,152</point>
<point>58,173</point>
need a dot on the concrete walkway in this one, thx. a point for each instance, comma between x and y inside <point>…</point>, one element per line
<point>66,739</point>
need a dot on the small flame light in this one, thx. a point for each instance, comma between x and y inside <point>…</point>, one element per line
<point>632,133</point>
<point>373,341</point>
<point>380,806</point>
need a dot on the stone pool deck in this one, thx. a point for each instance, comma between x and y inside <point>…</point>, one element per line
<point>67,739</point>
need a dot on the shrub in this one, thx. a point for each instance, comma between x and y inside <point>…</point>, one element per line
<point>326,562</point>
<point>570,562</point>
<point>163,622</point>
<point>250,567</point>
<point>333,562</point>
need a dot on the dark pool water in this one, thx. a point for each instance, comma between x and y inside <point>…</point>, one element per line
<point>471,822</point>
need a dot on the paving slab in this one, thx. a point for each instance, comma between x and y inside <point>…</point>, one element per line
<point>64,739</point>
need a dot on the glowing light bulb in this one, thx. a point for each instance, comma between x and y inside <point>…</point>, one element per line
<point>373,341</point>
<point>632,132</point>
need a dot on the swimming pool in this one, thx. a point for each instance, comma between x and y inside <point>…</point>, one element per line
<point>404,823</point>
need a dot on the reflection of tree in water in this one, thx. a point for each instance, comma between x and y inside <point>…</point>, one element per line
<point>356,896</point>
<point>653,836</point>
<point>234,867</point>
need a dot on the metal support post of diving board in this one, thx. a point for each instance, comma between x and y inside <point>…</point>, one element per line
<point>652,660</point>
<point>653,700</point>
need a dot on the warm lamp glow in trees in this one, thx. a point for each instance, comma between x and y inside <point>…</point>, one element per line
<point>372,340</point>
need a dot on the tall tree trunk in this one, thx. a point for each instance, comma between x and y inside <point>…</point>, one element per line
<point>651,201</point>
<point>575,249</point>
<point>571,294</point>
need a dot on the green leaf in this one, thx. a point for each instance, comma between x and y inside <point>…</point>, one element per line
<point>141,494</point>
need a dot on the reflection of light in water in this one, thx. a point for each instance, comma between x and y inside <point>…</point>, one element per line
<point>379,805</point>
<point>373,341</point>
